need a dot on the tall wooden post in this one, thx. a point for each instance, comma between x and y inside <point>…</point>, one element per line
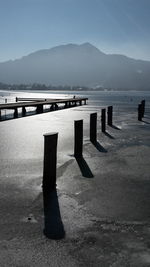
<point>78,138</point>
<point>39,109</point>
<point>109,115</point>
<point>23,111</point>
<point>93,127</point>
<point>16,113</point>
<point>50,161</point>
<point>103,120</point>
<point>53,226</point>
<point>140,112</point>
<point>143,107</point>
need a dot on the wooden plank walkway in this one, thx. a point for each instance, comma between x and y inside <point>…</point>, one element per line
<point>40,103</point>
<point>34,99</point>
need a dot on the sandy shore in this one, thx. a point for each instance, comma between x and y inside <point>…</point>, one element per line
<point>104,201</point>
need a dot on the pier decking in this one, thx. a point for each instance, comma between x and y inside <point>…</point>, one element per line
<point>39,104</point>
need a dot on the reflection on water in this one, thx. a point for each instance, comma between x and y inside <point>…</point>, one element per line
<point>125,99</point>
<point>94,96</point>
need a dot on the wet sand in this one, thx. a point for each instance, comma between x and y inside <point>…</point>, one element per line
<point>104,200</point>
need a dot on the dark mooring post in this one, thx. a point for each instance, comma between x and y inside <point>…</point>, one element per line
<point>16,113</point>
<point>109,115</point>
<point>78,138</point>
<point>39,109</point>
<point>50,161</point>
<point>93,127</point>
<point>53,226</point>
<point>103,120</point>
<point>23,111</point>
<point>140,112</point>
<point>143,107</point>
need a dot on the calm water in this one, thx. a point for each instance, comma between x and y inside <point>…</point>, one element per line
<point>94,97</point>
<point>122,99</point>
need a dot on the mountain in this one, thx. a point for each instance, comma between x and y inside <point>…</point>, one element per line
<point>83,65</point>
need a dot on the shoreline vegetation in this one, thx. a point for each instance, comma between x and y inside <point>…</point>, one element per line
<point>38,86</point>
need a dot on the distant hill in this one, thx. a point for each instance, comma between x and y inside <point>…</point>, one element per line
<point>83,65</point>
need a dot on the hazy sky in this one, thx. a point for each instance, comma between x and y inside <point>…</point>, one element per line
<point>114,26</point>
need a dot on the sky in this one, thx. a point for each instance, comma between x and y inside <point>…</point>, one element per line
<point>113,26</point>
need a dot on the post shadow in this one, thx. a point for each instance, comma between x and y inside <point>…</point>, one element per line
<point>108,135</point>
<point>114,127</point>
<point>85,170</point>
<point>99,147</point>
<point>53,225</point>
<point>146,122</point>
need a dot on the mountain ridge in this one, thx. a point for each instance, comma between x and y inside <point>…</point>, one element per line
<point>73,64</point>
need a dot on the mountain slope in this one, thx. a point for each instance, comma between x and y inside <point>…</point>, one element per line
<point>82,65</point>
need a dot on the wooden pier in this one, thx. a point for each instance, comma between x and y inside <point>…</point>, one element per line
<point>40,103</point>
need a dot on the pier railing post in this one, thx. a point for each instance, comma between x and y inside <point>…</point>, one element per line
<point>39,109</point>
<point>109,115</point>
<point>23,111</point>
<point>93,127</point>
<point>140,112</point>
<point>16,113</point>
<point>103,120</point>
<point>78,138</point>
<point>50,161</point>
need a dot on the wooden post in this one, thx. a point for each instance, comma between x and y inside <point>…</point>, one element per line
<point>140,112</point>
<point>23,111</point>
<point>56,106</point>
<point>50,161</point>
<point>109,115</point>
<point>52,107</point>
<point>53,226</point>
<point>103,120</point>
<point>93,127</point>
<point>143,107</point>
<point>16,113</point>
<point>66,105</point>
<point>78,138</point>
<point>39,109</point>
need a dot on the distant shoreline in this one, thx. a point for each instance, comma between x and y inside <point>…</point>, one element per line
<point>72,90</point>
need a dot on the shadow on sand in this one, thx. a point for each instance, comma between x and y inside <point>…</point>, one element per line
<point>85,170</point>
<point>99,147</point>
<point>146,122</point>
<point>53,225</point>
<point>114,127</point>
<point>108,135</point>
